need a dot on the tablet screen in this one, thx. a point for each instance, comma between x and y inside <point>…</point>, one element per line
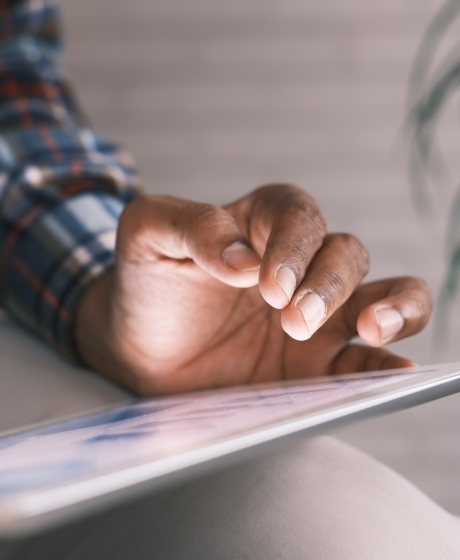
<point>165,427</point>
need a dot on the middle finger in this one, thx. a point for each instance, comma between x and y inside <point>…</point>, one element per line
<point>285,226</point>
<point>335,272</point>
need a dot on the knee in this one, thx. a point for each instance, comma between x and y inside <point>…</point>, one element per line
<point>319,499</point>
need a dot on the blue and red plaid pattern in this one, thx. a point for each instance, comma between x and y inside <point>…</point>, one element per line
<point>62,186</point>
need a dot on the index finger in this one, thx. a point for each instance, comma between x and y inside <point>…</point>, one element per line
<point>285,225</point>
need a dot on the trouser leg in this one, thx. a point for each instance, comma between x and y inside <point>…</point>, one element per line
<point>320,500</point>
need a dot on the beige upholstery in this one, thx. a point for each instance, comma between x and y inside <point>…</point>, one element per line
<point>321,500</point>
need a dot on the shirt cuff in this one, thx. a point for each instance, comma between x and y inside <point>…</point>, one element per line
<point>54,260</point>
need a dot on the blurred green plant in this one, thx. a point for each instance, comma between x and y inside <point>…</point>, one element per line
<point>432,82</point>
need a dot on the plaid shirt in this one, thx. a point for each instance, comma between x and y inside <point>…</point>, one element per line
<point>62,187</point>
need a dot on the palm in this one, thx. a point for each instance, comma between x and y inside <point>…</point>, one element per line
<point>200,332</point>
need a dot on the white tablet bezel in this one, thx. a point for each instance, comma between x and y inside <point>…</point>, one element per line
<point>36,510</point>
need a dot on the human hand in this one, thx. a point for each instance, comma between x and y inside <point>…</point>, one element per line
<point>257,291</point>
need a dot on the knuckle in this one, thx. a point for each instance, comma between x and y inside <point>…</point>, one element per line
<point>287,197</point>
<point>333,287</point>
<point>421,286</point>
<point>314,216</point>
<point>415,296</point>
<point>422,315</point>
<point>352,246</point>
<point>362,254</point>
<point>422,294</point>
<point>422,303</point>
<point>299,255</point>
<point>203,216</point>
<point>201,212</point>
<point>315,227</point>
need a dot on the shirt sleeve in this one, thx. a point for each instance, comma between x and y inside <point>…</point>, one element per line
<point>62,186</point>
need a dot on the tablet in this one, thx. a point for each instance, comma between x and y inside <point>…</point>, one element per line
<point>52,473</point>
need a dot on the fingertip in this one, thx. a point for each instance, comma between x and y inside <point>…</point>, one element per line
<point>379,325</point>
<point>294,325</point>
<point>278,290</point>
<point>274,297</point>
<point>302,318</point>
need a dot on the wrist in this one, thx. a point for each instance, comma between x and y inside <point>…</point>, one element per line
<point>93,332</point>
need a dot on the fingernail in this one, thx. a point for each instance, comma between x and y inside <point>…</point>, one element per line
<point>287,280</point>
<point>389,321</point>
<point>313,310</point>
<point>240,258</point>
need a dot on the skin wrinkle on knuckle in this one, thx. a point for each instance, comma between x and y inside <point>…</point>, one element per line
<point>330,290</point>
<point>291,247</point>
<point>196,214</point>
<point>204,218</point>
<point>414,302</point>
<point>266,202</point>
<point>309,215</point>
<point>294,256</point>
<point>285,211</point>
<point>358,255</point>
<point>312,240</point>
<point>318,220</point>
<point>333,287</point>
<point>363,255</point>
<point>297,255</point>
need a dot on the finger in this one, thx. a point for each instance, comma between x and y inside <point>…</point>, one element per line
<point>355,358</point>
<point>160,227</point>
<point>336,270</point>
<point>285,225</point>
<point>387,310</point>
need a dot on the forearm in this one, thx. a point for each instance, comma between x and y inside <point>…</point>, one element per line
<point>62,187</point>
